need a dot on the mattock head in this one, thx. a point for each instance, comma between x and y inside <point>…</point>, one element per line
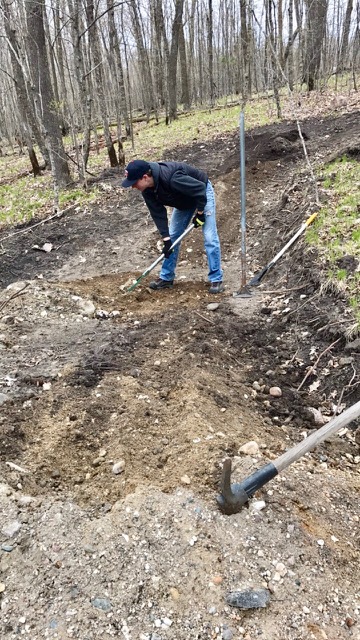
<point>233,497</point>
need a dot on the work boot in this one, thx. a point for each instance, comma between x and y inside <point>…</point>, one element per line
<point>216,287</point>
<point>161,284</point>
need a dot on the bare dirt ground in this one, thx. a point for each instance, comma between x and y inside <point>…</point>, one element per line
<point>165,389</point>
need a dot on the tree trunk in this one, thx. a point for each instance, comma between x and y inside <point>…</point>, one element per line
<point>185,91</point>
<point>345,36</point>
<point>96,57</point>
<point>172,69</point>
<point>115,46</point>
<point>146,83</point>
<point>211,51</point>
<point>43,92</point>
<point>315,31</point>
<point>244,50</point>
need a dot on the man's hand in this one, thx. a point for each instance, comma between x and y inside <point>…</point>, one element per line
<point>167,250</point>
<point>198,219</point>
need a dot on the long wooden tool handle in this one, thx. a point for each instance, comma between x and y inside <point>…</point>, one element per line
<point>161,257</point>
<point>318,436</point>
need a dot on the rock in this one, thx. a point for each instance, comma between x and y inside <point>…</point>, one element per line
<point>185,479</point>
<point>213,306</point>
<point>5,490</point>
<point>16,286</point>
<point>317,416</point>
<point>3,398</point>
<point>102,603</point>
<point>10,530</point>
<point>257,505</point>
<point>118,467</point>
<point>86,307</point>
<point>250,448</point>
<point>24,501</point>
<point>174,593</point>
<point>275,392</point>
<point>2,587</point>
<point>248,599</point>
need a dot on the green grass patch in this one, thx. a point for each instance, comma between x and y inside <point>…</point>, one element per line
<point>23,198</point>
<point>336,230</point>
<point>26,198</point>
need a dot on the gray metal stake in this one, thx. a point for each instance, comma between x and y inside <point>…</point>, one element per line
<point>244,292</point>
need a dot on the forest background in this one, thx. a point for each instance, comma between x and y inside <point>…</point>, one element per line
<point>80,75</point>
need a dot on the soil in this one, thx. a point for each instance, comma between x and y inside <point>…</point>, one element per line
<point>166,388</point>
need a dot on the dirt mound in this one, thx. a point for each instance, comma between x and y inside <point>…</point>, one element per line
<point>118,410</point>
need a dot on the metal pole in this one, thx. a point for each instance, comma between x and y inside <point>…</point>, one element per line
<point>242,199</point>
<point>244,291</point>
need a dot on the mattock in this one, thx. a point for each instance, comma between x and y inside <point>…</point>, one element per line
<point>234,496</point>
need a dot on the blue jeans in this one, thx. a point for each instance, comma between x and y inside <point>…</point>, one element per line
<point>180,219</point>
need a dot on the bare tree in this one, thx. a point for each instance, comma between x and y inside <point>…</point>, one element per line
<point>345,35</point>
<point>315,32</point>
<point>46,110</point>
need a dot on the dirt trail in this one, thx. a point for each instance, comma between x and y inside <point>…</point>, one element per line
<point>166,388</point>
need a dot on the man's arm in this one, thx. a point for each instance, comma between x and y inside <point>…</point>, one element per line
<point>158,213</point>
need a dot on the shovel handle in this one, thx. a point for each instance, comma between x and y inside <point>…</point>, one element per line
<point>160,258</point>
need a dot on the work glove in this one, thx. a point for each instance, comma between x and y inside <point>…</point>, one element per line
<point>198,219</point>
<point>167,250</point>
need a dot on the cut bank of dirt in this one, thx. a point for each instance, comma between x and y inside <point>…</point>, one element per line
<point>159,383</point>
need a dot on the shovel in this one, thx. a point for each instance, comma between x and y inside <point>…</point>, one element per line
<point>234,496</point>
<point>160,258</point>
<point>255,281</point>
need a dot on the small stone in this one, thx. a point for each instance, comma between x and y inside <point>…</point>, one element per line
<point>348,621</point>
<point>118,467</point>
<point>174,593</point>
<point>250,448</point>
<point>281,569</point>
<point>167,622</point>
<point>258,505</point>
<point>213,306</point>
<point>306,610</point>
<point>86,307</point>
<point>321,543</point>
<point>227,634</point>
<point>11,529</point>
<point>96,462</point>
<point>24,501</point>
<point>217,580</point>
<point>275,392</point>
<point>3,398</point>
<point>248,599</point>
<point>185,479</point>
<point>102,453</point>
<point>102,603</point>
<point>2,587</point>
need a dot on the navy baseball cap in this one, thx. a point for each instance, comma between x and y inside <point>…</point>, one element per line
<point>134,171</point>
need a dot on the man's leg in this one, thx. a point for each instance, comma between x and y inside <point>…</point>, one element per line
<point>211,238</point>
<point>179,221</point>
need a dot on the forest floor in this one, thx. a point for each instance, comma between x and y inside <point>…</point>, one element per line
<point>165,388</point>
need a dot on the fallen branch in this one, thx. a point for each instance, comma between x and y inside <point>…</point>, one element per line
<point>312,369</point>
<point>14,295</point>
<point>56,215</point>
<point>203,317</point>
